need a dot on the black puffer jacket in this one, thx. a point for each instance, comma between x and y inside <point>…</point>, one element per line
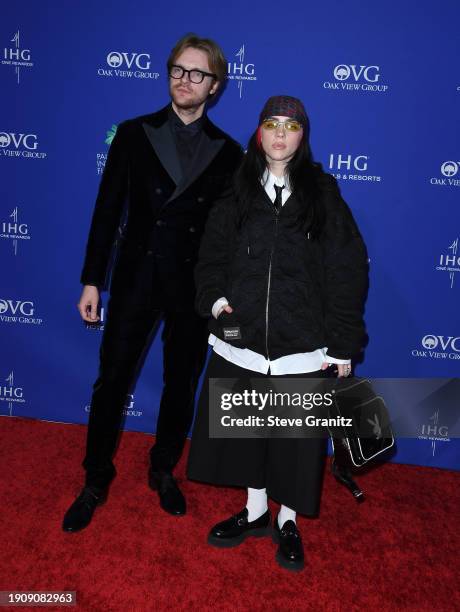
<point>290,293</point>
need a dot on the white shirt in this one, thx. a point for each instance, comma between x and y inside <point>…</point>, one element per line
<point>296,363</point>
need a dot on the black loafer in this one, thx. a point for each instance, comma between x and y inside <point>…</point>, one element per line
<point>171,497</point>
<point>237,528</point>
<point>290,548</point>
<point>80,513</point>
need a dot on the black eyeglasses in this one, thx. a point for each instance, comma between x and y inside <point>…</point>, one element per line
<point>195,75</point>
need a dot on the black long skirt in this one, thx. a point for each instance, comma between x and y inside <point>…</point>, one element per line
<point>291,469</point>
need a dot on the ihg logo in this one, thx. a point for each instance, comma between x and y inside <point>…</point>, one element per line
<point>347,162</point>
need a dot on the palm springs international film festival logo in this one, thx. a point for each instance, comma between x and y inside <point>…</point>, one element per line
<point>351,77</point>
<point>434,431</point>
<point>450,171</point>
<point>14,230</point>
<point>18,312</point>
<point>101,157</point>
<point>15,144</point>
<point>438,347</point>
<point>351,168</point>
<point>450,262</point>
<point>240,71</point>
<point>126,65</point>
<point>10,394</point>
<point>13,55</point>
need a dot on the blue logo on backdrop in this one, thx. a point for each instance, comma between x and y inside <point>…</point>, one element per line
<point>450,176</point>
<point>15,230</point>
<point>16,56</point>
<point>438,347</point>
<point>351,168</point>
<point>10,394</point>
<point>241,71</point>
<point>356,78</point>
<point>126,65</point>
<point>18,312</point>
<point>101,157</point>
<point>450,262</point>
<point>15,144</point>
<point>434,431</point>
<point>128,409</point>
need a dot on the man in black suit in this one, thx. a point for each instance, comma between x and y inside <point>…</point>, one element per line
<point>164,170</point>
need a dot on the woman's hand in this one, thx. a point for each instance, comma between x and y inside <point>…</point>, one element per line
<point>342,369</point>
<point>227,308</point>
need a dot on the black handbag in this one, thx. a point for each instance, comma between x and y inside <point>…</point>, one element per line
<point>360,429</point>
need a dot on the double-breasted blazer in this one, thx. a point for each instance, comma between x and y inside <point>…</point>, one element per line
<point>154,213</point>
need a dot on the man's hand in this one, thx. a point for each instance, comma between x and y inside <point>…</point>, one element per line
<point>87,306</point>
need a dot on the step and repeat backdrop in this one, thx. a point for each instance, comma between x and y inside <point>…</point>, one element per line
<point>381,83</point>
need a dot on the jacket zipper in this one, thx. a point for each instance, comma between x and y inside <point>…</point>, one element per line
<point>268,286</point>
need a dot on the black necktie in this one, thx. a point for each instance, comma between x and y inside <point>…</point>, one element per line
<point>278,199</point>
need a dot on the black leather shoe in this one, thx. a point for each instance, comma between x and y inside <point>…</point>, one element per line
<point>80,513</point>
<point>237,528</point>
<point>290,548</point>
<point>171,497</point>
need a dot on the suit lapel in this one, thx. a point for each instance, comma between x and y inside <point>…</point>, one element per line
<point>160,137</point>
<point>207,151</point>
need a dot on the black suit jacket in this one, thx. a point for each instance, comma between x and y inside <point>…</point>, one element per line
<point>166,213</point>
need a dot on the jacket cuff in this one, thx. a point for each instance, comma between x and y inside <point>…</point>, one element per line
<point>218,305</point>
<point>205,301</point>
<point>331,359</point>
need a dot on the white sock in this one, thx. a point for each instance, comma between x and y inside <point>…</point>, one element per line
<point>285,514</point>
<point>256,504</point>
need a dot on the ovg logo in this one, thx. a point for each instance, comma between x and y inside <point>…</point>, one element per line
<point>439,347</point>
<point>114,59</point>
<point>430,342</point>
<point>15,144</point>
<point>370,74</point>
<point>140,60</point>
<point>241,71</point>
<point>16,56</point>
<point>449,170</point>
<point>351,77</point>
<point>11,139</point>
<point>15,230</point>
<point>128,65</point>
<point>18,311</point>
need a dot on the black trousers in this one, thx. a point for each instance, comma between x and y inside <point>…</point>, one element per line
<point>129,327</point>
<point>291,469</point>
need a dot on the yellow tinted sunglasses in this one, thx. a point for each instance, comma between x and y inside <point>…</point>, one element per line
<point>291,125</point>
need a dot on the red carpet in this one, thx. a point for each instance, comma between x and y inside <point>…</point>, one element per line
<point>397,551</point>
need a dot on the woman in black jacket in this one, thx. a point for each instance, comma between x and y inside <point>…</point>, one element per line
<point>282,274</point>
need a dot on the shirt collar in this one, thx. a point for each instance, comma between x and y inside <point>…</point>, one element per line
<point>178,125</point>
<point>269,180</point>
